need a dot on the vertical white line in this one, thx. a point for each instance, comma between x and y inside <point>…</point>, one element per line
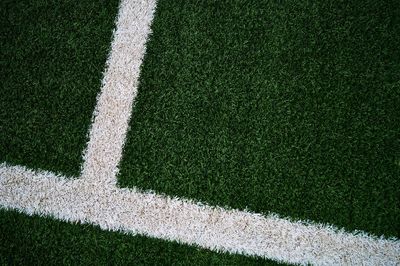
<point>119,88</point>
<point>95,199</point>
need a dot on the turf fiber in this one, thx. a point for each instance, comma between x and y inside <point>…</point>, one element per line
<point>44,241</point>
<point>53,54</point>
<point>288,107</point>
<point>273,106</point>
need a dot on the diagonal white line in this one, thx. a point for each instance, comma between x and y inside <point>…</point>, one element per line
<point>119,88</point>
<point>176,219</point>
<point>95,199</point>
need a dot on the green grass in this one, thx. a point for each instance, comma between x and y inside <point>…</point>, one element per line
<point>276,106</point>
<point>52,55</point>
<point>42,241</point>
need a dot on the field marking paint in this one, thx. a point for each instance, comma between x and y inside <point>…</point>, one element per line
<point>94,198</point>
<point>214,228</point>
<point>119,89</point>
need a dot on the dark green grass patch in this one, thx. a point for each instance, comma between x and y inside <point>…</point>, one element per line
<point>52,55</point>
<point>289,107</point>
<point>35,240</point>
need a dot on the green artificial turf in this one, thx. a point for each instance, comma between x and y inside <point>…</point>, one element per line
<point>52,55</point>
<point>289,107</point>
<point>36,240</point>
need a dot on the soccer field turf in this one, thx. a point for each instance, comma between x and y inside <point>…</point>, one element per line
<point>274,108</point>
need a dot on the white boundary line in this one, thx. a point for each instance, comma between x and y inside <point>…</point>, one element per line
<point>95,198</point>
<point>214,228</point>
<point>119,88</point>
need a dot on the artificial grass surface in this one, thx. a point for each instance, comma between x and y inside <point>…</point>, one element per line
<point>44,241</point>
<point>288,107</point>
<point>276,106</point>
<point>52,54</point>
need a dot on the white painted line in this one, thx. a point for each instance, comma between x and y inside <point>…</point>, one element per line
<point>114,104</point>
<point>176,219</point>
<point>95,199</point>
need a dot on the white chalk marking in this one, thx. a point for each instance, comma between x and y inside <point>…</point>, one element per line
<point>95,199</point>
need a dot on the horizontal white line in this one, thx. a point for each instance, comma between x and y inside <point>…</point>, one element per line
<point>182,220</point>
<point>95,199</point>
